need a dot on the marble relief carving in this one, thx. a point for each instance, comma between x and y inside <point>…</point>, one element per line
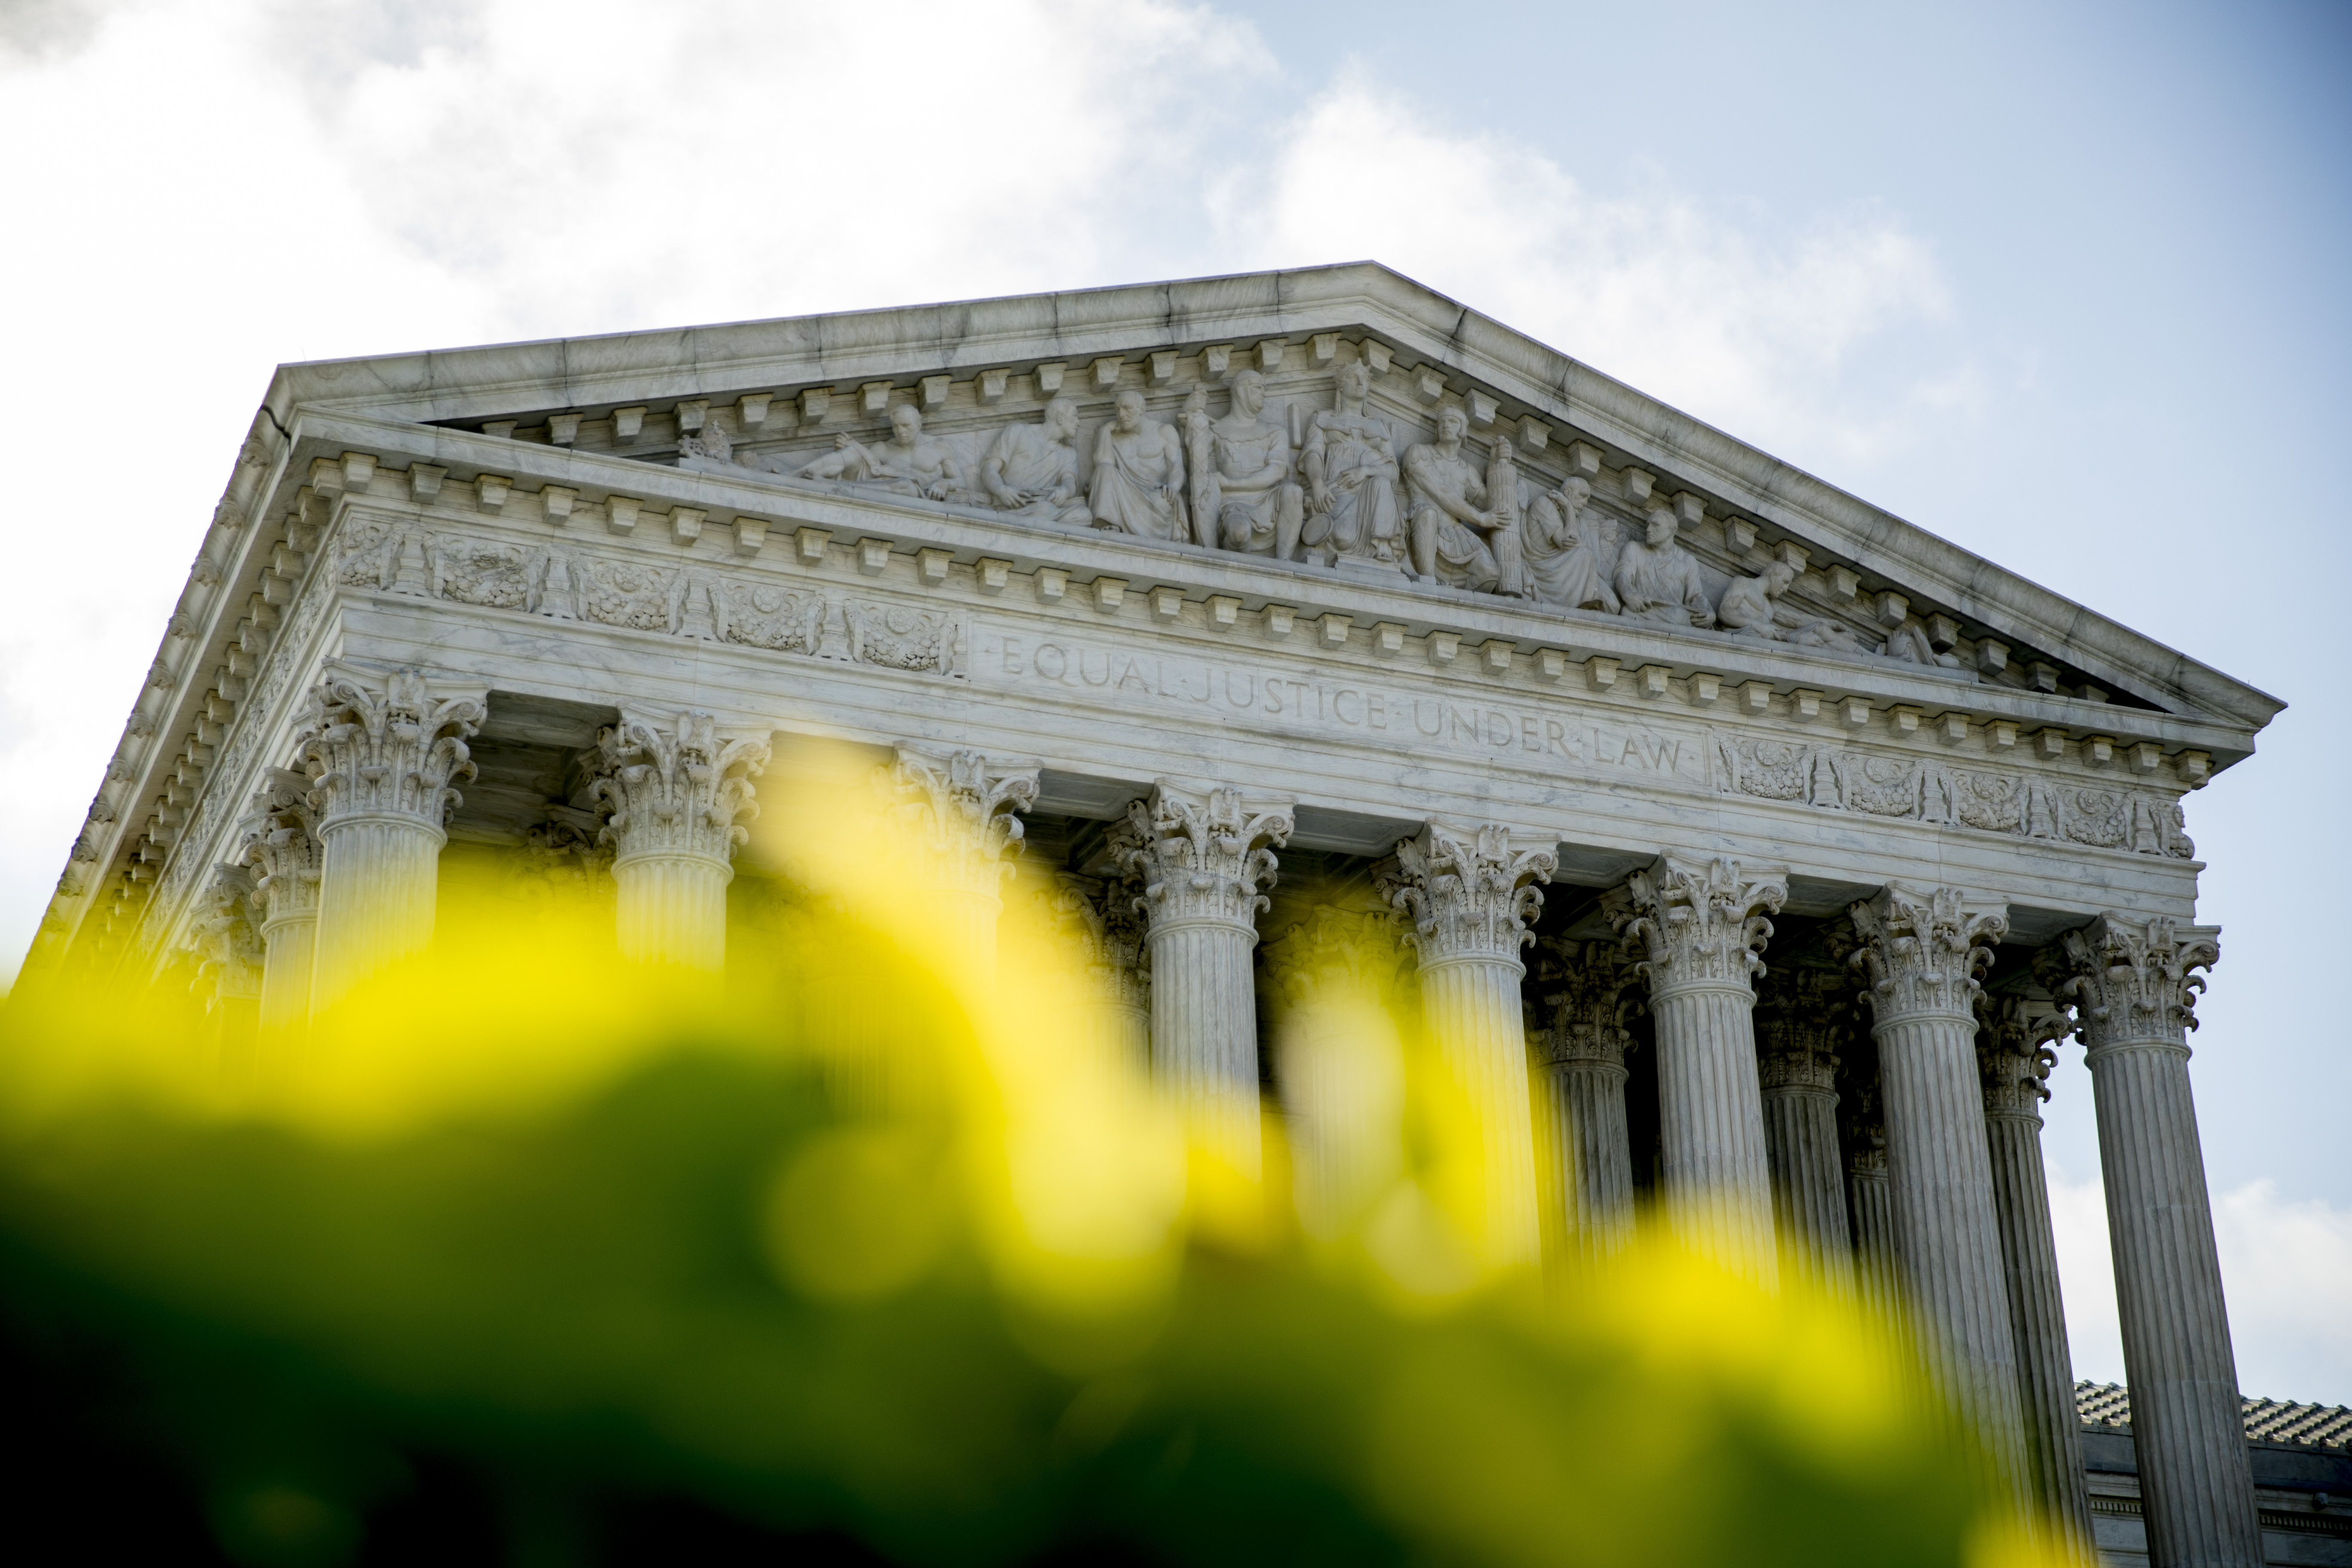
<point>1259,464</point>
<point>686,601</point>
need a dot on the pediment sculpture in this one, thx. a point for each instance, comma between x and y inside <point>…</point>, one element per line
<point>1353,484</point>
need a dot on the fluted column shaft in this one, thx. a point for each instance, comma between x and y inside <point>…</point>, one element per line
<point>1922,952</point>
<point>2053,1429</point>
<point>1472,1008</point>
<point>1699,928</point>
<point>2130,982</point>
<point>1711,1124</point>
<point>378,878</point>
<point>1201,857</point>
<point>288,948</point>
<point>676,790</point>
<point>1581,1111</point>
<point>380,760</point>
<point>1877,1274</point>
<point>1339,1062</point>
<point>1468,894</point>
<point>1585,1105</point>
<point>2015,1067</point>
<point>1808,1191</point>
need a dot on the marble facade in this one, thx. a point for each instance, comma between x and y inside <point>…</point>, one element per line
<point>1823,830</point>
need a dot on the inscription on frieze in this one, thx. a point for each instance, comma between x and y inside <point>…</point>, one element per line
<point>1281,696</point>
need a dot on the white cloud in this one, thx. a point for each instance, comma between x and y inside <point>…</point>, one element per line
<point>1741,323</point>
<point>219,187</point>
<point>2287,1267</point>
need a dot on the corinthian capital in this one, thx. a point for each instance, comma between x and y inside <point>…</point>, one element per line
<point>2127,979</point>
<point>282,848</point>
<point>389,751</point>
<point>1590,989</point>
<point>228,948</point>
<point>1099,917</point>
<point>1922,951</point>
<point>1695,924</point>
<point>676,789</point>
<point>1204,856</point>
<point>1467,892</point>
<point>2013,1054</point>
<point>1333,954</point>
<point>1804,1017</point>
<point>964,810</point>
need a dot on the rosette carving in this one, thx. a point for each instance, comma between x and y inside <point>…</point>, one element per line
<point>1467,894</point>
<point>392,753</point>
<point>679,791</point>
<point>1697,924</point>
<point>2129,980</point>
<point>1922,951</point>
<point>963,810</point>
<point>1204,858</point>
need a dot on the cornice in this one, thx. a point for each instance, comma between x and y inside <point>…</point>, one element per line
<point>1424,329</point>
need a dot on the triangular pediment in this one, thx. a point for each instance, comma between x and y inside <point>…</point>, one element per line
<point>764,406</point>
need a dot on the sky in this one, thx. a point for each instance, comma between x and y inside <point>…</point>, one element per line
<point>2063,283</point>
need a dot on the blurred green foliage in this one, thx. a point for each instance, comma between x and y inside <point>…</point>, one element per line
<point>716,1268</point>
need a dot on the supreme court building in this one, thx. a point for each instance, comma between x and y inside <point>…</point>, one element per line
<point>1755,846</point>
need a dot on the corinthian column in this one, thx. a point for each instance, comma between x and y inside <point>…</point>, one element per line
<point>2016,1066</point>
<point>282,850</point>
<point>1798,1014</point>
<point>1699,929</point>
<point>228,950</point>
<point>2131,984</point>
<point>1101,917</point>
<point>1469,896</point>
<point>1338,1060</point>
<point>1864,1133</point>
<point>1583,1107</point>
<point>962,808</point>
<point>675,794</point>
<point>1922,952</point>
<point>1202,856</point>
<point>381,760</point>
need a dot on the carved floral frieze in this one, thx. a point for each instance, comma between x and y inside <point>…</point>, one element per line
<point>1924,788</point>
<point>567,584</point>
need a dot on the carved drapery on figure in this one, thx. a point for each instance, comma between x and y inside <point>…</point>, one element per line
<point>1339,1062</point>
<point>1590,989</point>
<point>1699,929</point>
<point>678,795</point>
<point>1202,858</point>
<point>382,764</point>
<point>1922,951</point>
<point>2016,1062</point>
<point>2132,986</point>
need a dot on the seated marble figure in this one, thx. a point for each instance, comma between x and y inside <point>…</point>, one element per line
<point>909,463</point>
<point>1658,580</point>
<point>1031,470</point>
<point>1751,607</point>
<point>1562,561</point>
<point>1455,539</point>
<point>1139,479</point>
